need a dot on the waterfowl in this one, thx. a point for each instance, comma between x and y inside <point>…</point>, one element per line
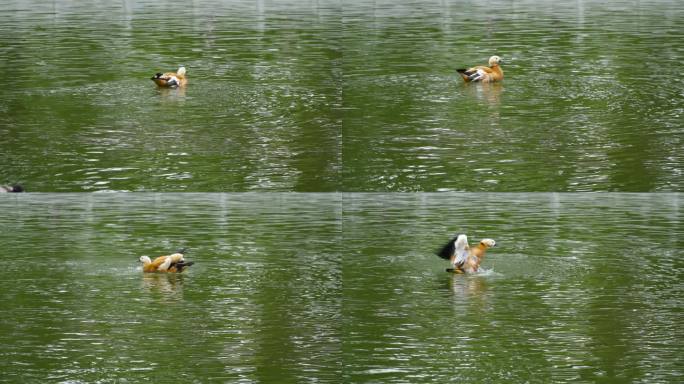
<point>171,79</point>
<point>462,257</point>
<point>482,73</point>
<point>171,263</point>
<point>11,188</point>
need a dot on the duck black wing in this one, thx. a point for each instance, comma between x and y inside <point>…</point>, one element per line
<point>458,247</point>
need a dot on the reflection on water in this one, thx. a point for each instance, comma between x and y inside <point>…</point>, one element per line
<point>167,286</point>
<point>173,93</point>
<point>468,287</point>
<point>489,93</point>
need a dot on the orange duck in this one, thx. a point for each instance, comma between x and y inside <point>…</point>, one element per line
<point>462,257</point>
<point>483,74</point>
<point>171,79</point>
<point>171,263</point>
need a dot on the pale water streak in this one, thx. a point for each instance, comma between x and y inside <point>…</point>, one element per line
<point>341,288</point>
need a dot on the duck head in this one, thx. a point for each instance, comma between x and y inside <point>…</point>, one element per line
<point>165,81</point>
<point>494,61</point>
<point>488,243</point>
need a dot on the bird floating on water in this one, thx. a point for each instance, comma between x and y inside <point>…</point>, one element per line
<point>171,263</point>
<point>11,188</point>
<point>171,79</point>
<point>482,73</point>
<point>462,257</point>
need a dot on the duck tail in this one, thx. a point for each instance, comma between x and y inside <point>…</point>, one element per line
<point>183,264</point>
<point>463,73</point>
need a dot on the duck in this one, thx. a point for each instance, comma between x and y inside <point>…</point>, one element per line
<point>11,188</point>
<point>463,258</point>
<point>169,264</point>
<point>483,73</point>
<point>171,79</point>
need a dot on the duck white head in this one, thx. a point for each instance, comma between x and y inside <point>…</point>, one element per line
<point>494,60</point>
<point>145,260</point>
<point>181,71</point>
<point>488,242</point>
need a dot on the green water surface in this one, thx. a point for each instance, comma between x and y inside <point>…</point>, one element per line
<point>320,96</point>
<point>324,150</point>
<point>341,288</point>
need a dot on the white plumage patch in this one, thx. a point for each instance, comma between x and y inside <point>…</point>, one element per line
<point>460,250</point>
<point>480,75</point>
<point>173,81</point>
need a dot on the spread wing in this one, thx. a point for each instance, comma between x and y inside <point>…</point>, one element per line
<point>448,249</point>
<point>460,250</point>
<point>456,250</point>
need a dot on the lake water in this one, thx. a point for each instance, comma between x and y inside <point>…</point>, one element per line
<point>325,149</point>
<point>308,288</point>
<point>319,96</point>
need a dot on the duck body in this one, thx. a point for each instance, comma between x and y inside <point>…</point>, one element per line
<point>174,263</point>
<point>463,258</point>
<point>171,79</point>
<point>483,74</point>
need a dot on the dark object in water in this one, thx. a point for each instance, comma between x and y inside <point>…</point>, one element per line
<point>11,188</point>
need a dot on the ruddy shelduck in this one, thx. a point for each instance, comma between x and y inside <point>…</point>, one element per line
<point>462,257</point>
<point>171,79</point>
<point>483,73</point>
<point>171,263</point>
<point>11,188</point>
